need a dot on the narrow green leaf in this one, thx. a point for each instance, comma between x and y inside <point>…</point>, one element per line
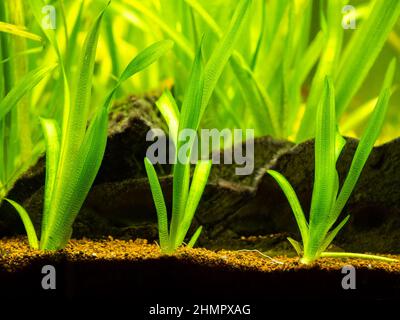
<point>276,48</point>
<point>112,44</point>
<point>159,202</point>
<point>309,58</point>
<point>24,86</point>
<point>293,87</point>
<point>199,181</point>
<point>363,50</point>
<point>195,237</point>
<point>252,90</point>
<point>362,153</point>
<point>92,152</point>
<point>296,245</point>
<point>340,143</point>
<point>331,235</point>
<point>146,57</point>
<point>189,119</point>
<point>197,7</point>
<point>223,51</point>
<point>177,37</point>
<point>23,53</point>
<point>256,97</point>
<point>294,204</point>
<point>52,135</point>
<point>261,37</point>
<point>190,114</point>
<point>18,31</point>
<point>80,112</point>
<point>333,37</point>
<point>325,167</point>
<point>26,220</point>
<point>389,76</point>
<point>356,118</point>
<point>73,36</point>
<point>36,9</point>
<point>170,112</point>
<point>366,143</point>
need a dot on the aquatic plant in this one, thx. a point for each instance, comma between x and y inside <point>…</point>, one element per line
<point>327,202</point>
<point>74,149</point>
<point>10,152</point>
<point>18,144</point>
<point>275,78</point>
<point>186,193</point>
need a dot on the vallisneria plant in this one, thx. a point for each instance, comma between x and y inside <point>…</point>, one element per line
<point>10,152</point>
<point>327,202</point>
<point>275,78</point>
<point>19,147</point>
<point>187,192</point>
<point>74,150</point>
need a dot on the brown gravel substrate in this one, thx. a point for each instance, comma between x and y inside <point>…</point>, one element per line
<point>117,268</point>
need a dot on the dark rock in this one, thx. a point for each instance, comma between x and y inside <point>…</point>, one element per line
<point>265,149</point>
<point>126,148</point>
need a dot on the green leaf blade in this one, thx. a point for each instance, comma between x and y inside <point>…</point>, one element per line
<point>25,85</point>
<point>26,220</point>
<point>146,57</point>
<point>366,143</point>
<point>325,167</point>
<point>189,119</point>
<point>80,110</point>
<point>333,38</point>
<point>18,31</point>
<point>362,153</point>
<point>170,112</point>
<point>331,235</point>
<point>221,54</point>
<point>294,203</point>
<point>195,237</point>
<point>52,135</point>
<point>199,181</point>
<point>159,202</point>
<point>363,50</point>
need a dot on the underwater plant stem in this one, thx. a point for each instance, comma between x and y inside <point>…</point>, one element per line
<point>309,259</point>
<point>356,255</point>
<point>261,254</point>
